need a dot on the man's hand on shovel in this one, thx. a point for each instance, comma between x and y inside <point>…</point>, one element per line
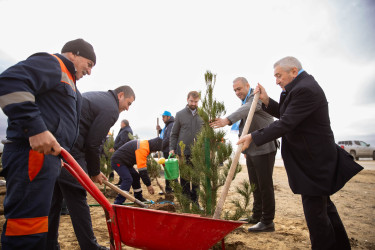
<point>99,178</point>
<point>246,140</point>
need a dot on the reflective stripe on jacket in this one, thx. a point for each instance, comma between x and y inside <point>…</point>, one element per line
<point>134,152</point>
<point>40,94</point>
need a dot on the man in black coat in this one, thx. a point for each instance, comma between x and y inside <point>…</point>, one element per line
<point>123,134</point>
<point>315,165</point>
<point>122,138</point>
<point>100,110</point>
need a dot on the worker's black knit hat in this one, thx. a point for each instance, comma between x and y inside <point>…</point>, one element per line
<point>155,144</point>
<point>81,48</point>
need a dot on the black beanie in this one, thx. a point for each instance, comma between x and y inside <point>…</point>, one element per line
<point>80,47</point>
<point>155,144</point>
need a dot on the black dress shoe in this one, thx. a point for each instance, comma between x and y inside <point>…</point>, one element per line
<point>250,220</point>
<point>261,227</point>
<point>253,220</point>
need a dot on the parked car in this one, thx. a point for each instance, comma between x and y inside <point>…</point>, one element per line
<point>358,149</point>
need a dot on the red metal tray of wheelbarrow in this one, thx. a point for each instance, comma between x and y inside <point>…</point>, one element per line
<point>152,229</point>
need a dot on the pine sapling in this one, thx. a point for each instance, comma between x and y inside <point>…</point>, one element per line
<point>242,206</point>
<point>105,158</point>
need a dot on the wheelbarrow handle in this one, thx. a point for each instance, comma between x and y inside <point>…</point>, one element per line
<point>74,169</point>
<point>125,194</point>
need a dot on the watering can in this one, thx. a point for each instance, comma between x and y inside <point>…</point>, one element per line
<point>171,169</point>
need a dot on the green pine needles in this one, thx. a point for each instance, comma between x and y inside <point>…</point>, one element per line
<point>210,152</point>
<point>105,158</point>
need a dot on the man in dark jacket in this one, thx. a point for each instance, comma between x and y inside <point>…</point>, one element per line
<point>100,110</point>
<point>164,134</point>
<point>186,128</point>
<point>123,160</point>
<point>40,98</point>
<point>122,138</point>
<point>123,134</point>
<point>260,160</point>
<point>315,165</point>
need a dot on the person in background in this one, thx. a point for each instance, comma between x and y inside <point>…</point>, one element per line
<point>316,166</point>
<point>122,138</point>
<point>164,134</point>
<point>260,160</point>
<point>186,128</point>
<point>100,110</point>
<point>123,134</point>
<point>42,102</point>
<point>123,161</point>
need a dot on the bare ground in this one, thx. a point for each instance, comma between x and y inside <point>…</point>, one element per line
<point>355,203</point>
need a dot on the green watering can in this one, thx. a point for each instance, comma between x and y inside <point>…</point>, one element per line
<point>171,169</point>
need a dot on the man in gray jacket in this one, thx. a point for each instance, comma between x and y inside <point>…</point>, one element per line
<point>259,160</point>
<point>186,127</point>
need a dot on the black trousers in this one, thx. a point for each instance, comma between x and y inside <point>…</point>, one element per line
<point>76,200</point>
<point>324,223</point>
<point>189,189</point>
<point>260,170</point>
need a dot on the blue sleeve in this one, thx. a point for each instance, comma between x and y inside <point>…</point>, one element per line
<point>21,84</point>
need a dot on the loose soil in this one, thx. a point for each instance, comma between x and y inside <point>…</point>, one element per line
<point>355,203</point>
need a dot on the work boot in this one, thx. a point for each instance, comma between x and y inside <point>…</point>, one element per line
<point>142,199</point>
<point>139,196</point>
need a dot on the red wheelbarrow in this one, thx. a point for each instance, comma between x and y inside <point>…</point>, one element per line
<point>152,229</point>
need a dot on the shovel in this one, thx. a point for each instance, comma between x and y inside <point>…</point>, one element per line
<point>232,169</point>
<point>125,194</point>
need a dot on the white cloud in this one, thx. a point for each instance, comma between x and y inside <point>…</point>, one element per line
<point>163,48</point>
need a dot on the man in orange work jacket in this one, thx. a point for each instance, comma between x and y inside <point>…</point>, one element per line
<point>123,160</point>
<point>40,98</point>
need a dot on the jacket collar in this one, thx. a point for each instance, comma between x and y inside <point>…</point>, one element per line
<point>69,64</point>
<point>293,83</point>
<point>170,120</point>
<point>112,92</point>
<point>250,95</point>
<point>190,111</point>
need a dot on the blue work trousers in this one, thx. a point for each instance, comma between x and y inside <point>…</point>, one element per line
<point>130,177</point>
<point>30,178</point>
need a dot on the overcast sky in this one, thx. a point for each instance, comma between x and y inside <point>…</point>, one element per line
<point>163,48</point>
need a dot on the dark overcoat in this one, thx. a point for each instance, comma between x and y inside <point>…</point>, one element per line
<point>314,163</point>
